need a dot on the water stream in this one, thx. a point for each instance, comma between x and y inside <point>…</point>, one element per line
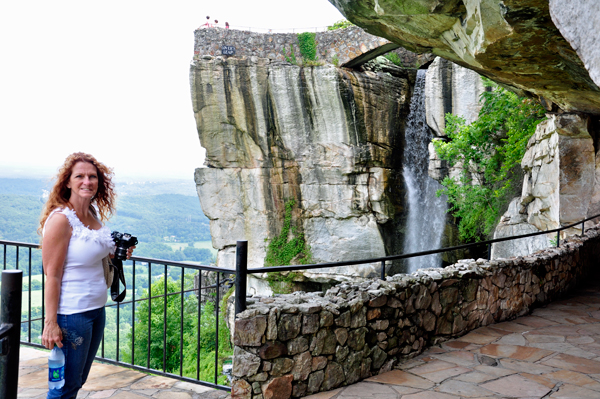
<point>426,212</point>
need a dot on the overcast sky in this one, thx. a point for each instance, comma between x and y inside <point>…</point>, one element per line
<point>111,78</point>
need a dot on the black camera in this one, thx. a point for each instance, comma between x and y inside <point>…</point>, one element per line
<point>123,242</point>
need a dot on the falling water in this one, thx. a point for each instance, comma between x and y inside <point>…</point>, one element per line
<point>426,212</point>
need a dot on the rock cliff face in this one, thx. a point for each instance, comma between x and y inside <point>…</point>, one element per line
<point>536,47</point>
<point>328,139</point>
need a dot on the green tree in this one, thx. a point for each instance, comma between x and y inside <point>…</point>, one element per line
<point>341,24</point>
<point>489,150</point>
<point>205,350</point>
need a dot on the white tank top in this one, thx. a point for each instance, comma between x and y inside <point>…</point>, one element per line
<point>83,285</point>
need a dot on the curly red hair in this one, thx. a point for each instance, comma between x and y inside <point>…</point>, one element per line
<point>104,200</point>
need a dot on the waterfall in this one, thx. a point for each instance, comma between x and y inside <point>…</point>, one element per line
<point>426,212</point>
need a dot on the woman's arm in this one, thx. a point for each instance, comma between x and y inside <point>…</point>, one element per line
<point>54,252</point>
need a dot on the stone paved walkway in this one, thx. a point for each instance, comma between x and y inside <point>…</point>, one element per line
<point>552,353</point>
<point>107,381</point>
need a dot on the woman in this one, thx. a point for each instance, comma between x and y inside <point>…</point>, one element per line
<point>74,242</point>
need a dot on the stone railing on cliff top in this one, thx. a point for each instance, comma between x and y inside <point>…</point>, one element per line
<point>337,47</point>
<point>302,343</point>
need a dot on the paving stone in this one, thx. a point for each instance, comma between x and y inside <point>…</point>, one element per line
<point>516,386</point>
<point>430,395</point>
<point>173,395</point>
<point>547,382</point>
<point>154,382</point>
<point>37,379</point>
<point>115,381</point>
<point>399,377</point>
<point>512,339</point>
<point>188,386</point>
<point>475,338</point>
<point>534,321</point>
<point>568,391</point>
<point>438,371</point>
<point>574,378</point>
<point>573,363</point>
<point>569,349</point>
<point>369,390</point>
<point>127,395</point>
<point>515,352</point>
<point>32,393</point>
<point>325,395</point>
<point>511,327</point>
<point>541,338</point>
<point>462,358</point>
<point>526,367</point>
<point>463,389</point>
<point>102,394</point>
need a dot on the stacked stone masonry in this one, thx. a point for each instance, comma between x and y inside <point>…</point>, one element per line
<point>299,344</point>
<point>333,47</point>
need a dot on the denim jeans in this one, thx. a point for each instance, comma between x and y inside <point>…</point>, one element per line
<point>82,334</point>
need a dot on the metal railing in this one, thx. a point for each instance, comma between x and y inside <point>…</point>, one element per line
<point>155,293</point>
<point>169,324</point>
<point>10,318</point>
<point>242,270</point>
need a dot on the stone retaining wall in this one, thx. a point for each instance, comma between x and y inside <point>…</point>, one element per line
<point>302,343</point>
<point>334,47</point>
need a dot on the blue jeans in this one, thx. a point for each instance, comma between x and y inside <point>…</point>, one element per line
<point>82,334</point>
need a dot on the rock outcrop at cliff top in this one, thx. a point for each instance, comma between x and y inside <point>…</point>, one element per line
<point>517,43</point>
<point>329,139</point>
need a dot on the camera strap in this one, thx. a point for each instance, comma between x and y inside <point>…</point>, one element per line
<point>118,276</point>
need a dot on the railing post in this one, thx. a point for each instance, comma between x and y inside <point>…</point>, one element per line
<point>383,270</point>
<point>558,239</point>
<point>489,257</point>
<point>582,228</point>
<point>10,332</point>
<point>241,275</point>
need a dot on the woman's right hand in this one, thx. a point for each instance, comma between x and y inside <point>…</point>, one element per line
<point>52,335</point>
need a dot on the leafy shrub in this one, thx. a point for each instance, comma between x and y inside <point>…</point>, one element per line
<point>308,46</point>
<point>341,24</point>
<point>490,151</point>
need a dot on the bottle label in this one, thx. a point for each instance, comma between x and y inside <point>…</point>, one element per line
<point>56,374</point>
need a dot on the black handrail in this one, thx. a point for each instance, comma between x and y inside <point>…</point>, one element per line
<point>187,271</point>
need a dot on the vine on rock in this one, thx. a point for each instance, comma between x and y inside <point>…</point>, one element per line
<point>283,249</point>
<point>489,152</point>
<point>308,46</point>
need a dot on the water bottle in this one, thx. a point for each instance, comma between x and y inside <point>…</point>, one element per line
<point>56,368</point>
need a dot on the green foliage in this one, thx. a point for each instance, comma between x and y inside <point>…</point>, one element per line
<point>490,150</point>
<point>341,24</point>
<point>292,57</point>
<point>204,349</point>
<point>335,60</point>
<point>394,58</point>
<point>281,250</point>
<point>308,46</point>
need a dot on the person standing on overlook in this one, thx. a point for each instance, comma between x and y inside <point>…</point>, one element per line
<point>74,242</point>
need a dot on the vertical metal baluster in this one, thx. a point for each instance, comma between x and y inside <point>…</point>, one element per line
<point>181,324</point>
<point>17,259</point>
<point>149,311</point>
<point>199,324</point>
<point>582,228</point>
<point>43,296</point>
<point>133,318</point>
<point>558,239</point>
<point>165,323</point>
<point>117,323</point>
<point>29,302</point>
<point>489,254</point>
<point>383,270</point>
<point>4,256</point>
<point>217,329</point>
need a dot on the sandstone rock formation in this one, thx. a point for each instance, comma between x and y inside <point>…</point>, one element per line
<point>514,42</point>
<point>559,187</point>
<point>328,139</point>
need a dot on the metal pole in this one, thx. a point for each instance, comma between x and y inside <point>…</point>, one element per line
<point>383,270</point>
<point>582,228</point>
<point>241,275</point>
<point>489,252</point>
<point>10,331</point>
<point>558,239</point>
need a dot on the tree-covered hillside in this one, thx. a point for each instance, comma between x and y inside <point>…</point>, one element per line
<point>145,210</point>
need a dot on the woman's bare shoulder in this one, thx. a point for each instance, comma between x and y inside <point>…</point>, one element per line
<point>57,223</point>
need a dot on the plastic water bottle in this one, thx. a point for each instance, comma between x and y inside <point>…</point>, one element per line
<point>56,368</point>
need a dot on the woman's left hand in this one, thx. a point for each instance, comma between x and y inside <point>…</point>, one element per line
<point>130,251</point>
